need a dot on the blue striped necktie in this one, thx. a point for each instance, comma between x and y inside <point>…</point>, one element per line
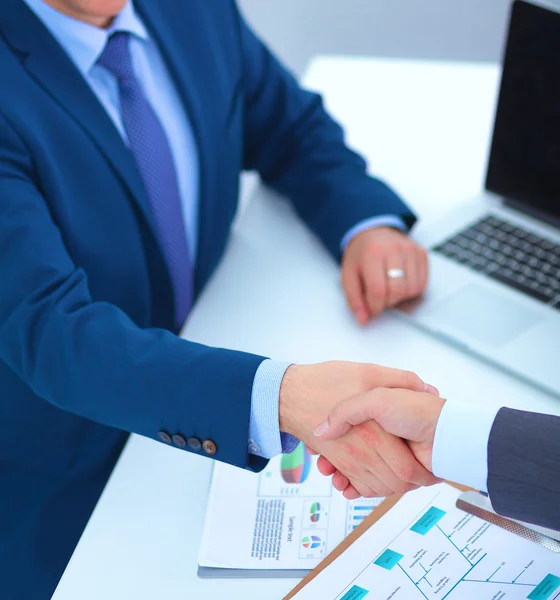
<point>153,157</point>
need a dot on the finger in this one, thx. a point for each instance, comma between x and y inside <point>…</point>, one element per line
<point>412,268</point>
<point>311,451</point>
<point>359,460</point>
<point>397,289</point>
<point>340,482</point>
<point>353,288</point>
<point>376,446</point>
<point>357,410</point>
<point>364,490</point>
<point>406,472</point>
<point>347,414</point>
<point>373,480</point>
<point>386,377</point>
<point>325,467</point>
<point>424,269</point>
<point>351,493</point>
<point>374,281</point>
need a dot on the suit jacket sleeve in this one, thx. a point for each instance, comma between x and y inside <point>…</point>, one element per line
<point>300,151</point>
<point>88,357</point>
<point>524,467</point>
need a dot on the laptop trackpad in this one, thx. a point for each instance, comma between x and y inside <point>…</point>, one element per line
<point>484,315</point>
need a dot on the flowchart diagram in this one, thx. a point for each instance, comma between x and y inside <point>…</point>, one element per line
<point>451,555</point>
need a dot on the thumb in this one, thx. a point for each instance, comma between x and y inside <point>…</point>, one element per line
<point>349,413</point>
<point>385,377</point>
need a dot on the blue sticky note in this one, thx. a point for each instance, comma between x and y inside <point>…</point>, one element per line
<point>388,560</point>
<point>432,517</point>
<point>356,593</point>
<point>546,588</point>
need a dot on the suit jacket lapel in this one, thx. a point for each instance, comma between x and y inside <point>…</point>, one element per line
<point>49,65</point>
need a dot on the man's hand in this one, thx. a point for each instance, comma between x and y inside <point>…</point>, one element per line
<point>368,459</point>
<point>407,414</point>
<point>368,258</point>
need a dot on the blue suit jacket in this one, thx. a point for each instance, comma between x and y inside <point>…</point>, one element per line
<point>87,350</point>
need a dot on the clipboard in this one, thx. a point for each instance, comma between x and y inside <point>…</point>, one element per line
<point>389,503</point>
<point>377,514</point>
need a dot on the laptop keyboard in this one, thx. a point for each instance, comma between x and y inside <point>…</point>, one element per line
<point>509,254</point>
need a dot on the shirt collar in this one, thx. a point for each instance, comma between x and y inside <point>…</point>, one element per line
<point>83,42</point>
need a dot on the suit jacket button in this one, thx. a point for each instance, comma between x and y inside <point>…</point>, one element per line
<point>209,447</point>
<point>179,441</point>
<point>164,437</point>
<point>194,444</point>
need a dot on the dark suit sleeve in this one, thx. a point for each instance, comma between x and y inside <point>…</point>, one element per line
<point>524,467</point>
<point>88,357</point>
<point>300,151</point>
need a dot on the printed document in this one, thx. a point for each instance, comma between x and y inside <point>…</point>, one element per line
<point>425,548</point>
<point>287,517</point>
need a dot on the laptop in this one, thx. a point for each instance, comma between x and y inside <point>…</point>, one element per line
<point>495,263</point>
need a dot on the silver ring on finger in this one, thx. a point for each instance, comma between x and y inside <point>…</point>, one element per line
<point>396,274</point>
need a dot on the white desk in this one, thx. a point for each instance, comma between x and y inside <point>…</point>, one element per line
<point>425,127</point>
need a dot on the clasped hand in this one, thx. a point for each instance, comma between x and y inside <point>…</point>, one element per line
<point>411,416</point>
<point>342,411</point>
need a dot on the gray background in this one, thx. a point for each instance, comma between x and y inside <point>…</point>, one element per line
<point>437,29</point>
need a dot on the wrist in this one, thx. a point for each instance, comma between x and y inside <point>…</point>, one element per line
<point>289,400</point>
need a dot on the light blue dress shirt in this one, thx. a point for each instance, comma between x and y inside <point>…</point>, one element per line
<point>84,44</point>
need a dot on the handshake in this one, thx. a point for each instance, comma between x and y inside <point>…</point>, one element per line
<point>374,427</point>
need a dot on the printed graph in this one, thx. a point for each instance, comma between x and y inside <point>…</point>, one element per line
<point>313,544</point>
<point>295,474</point>
<point>296,466</point>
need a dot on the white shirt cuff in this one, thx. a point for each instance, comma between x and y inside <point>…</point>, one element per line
<point>380,221</point>
<point>460,451</point>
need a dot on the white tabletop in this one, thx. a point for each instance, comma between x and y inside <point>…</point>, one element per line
<point>424,127</point>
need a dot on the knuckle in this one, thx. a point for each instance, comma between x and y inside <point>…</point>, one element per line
<point>406,473</point>
<point>345,466</point>
<point>339,481</point>
<point>380,395</point>
<point>384,490</point>
<point>361,487</point>
<point>367,493</point>
<point>411,379</point>
<point>355,453</point>
<point>368,435</point>
<point>411,247</point>
<point>372,248</point>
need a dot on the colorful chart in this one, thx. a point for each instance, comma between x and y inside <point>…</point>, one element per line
<point>315,512</point>
<point>296,466</point>
<point>358,511</point>
<point>311,541</point>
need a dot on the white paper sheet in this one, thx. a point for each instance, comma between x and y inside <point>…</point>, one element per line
<point>425,548</point>
<point>287,517</point>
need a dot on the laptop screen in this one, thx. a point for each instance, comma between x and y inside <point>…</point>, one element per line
<point>524,164</point>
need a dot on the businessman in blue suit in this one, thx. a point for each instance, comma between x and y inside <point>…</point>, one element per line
<point>123,130</point>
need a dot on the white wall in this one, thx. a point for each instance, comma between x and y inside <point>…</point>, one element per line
<point>441,29</point>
